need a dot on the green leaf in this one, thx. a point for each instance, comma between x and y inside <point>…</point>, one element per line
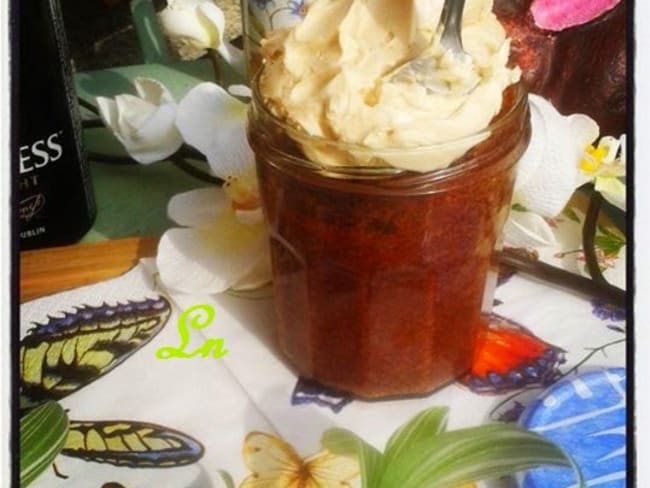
<point>256,29</point>
<point>518,207</point>
<point>420,429</point>
<point>342,442</point>
<point>226,478</point>
<point>179,77</point>
<point>43,431</point>
<point>610,243</point>
<point>455,458</point>
<point>602,229</point>
<point>150,37</point>
<point>571,214</point>
<point>102,141</point>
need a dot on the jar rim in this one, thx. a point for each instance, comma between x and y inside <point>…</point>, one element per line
<point>297,133</point>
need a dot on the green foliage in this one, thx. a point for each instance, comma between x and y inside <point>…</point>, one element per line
<point>226,478</point>
<point>345,443</point>
<point>43,431</point>
<point>571,214</point>
<point>422,454</point>
<point>179,77</point>
<point>419,430</point>
<point>152,43</point>
<point>518,207</point>
<point>609,242</point>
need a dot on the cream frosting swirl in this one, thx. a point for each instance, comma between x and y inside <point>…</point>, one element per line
<point>333,76</point>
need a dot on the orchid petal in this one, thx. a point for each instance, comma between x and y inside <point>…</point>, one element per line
<point>583,178</point>
<point>212,14</point>
<point>584,129</point>
<point>527,229</point>
<point>210,259</point>
<point>145,128</point>
<point>233,56</point>
<point>258,276</point>
<point>196,25</point>
<point>548,172</point>
<point>250,217</point>
<point>612,144</point>
<point>529,164</point>
<point>157,138</point>
<point>183,24</point>
<point>132,112</point>
<point>241,91</point>
<point>213,18</point>
<point>214,122</point>
<point>188,30</point>
<point>152,91</point>
<point>108,112</point>
<point>613,190</point>
<point>198,207</point>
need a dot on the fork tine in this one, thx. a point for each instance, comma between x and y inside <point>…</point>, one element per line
<point>422,70</point>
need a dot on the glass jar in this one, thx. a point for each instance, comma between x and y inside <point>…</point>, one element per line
<point>380,274</point>
<point>260,18</point>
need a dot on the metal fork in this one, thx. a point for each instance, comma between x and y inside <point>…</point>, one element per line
<point>423,70</point>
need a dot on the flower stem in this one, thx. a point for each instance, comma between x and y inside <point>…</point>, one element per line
<point>87,105</point>
<point>543,271</point>
<point>178,159</point>
<point>92,123</point>
<point>110,158</point>
<point>591,353</point>
<point>183,165</point>
<point>588,236</point>
<point>187,151</point>
<point>216,67</point>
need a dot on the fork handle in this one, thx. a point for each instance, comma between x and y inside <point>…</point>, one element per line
<point>451,19</point>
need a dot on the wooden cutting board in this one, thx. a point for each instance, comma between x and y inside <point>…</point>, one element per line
<point>47,271</point>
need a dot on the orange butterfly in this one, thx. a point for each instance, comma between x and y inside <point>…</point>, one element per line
<point>510,357</point>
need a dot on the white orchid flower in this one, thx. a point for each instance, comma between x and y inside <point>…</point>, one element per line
<point>144,124</point>
<point>548,173</point>
<point>214,122</point>
<point>193,26</point>
<point>224,244</point>
<point>604,164</point>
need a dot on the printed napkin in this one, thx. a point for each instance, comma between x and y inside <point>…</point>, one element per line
<point>196,405</point>
<point>165,389</point>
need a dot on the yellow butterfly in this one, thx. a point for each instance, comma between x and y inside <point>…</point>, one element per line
<point>275,464</point>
